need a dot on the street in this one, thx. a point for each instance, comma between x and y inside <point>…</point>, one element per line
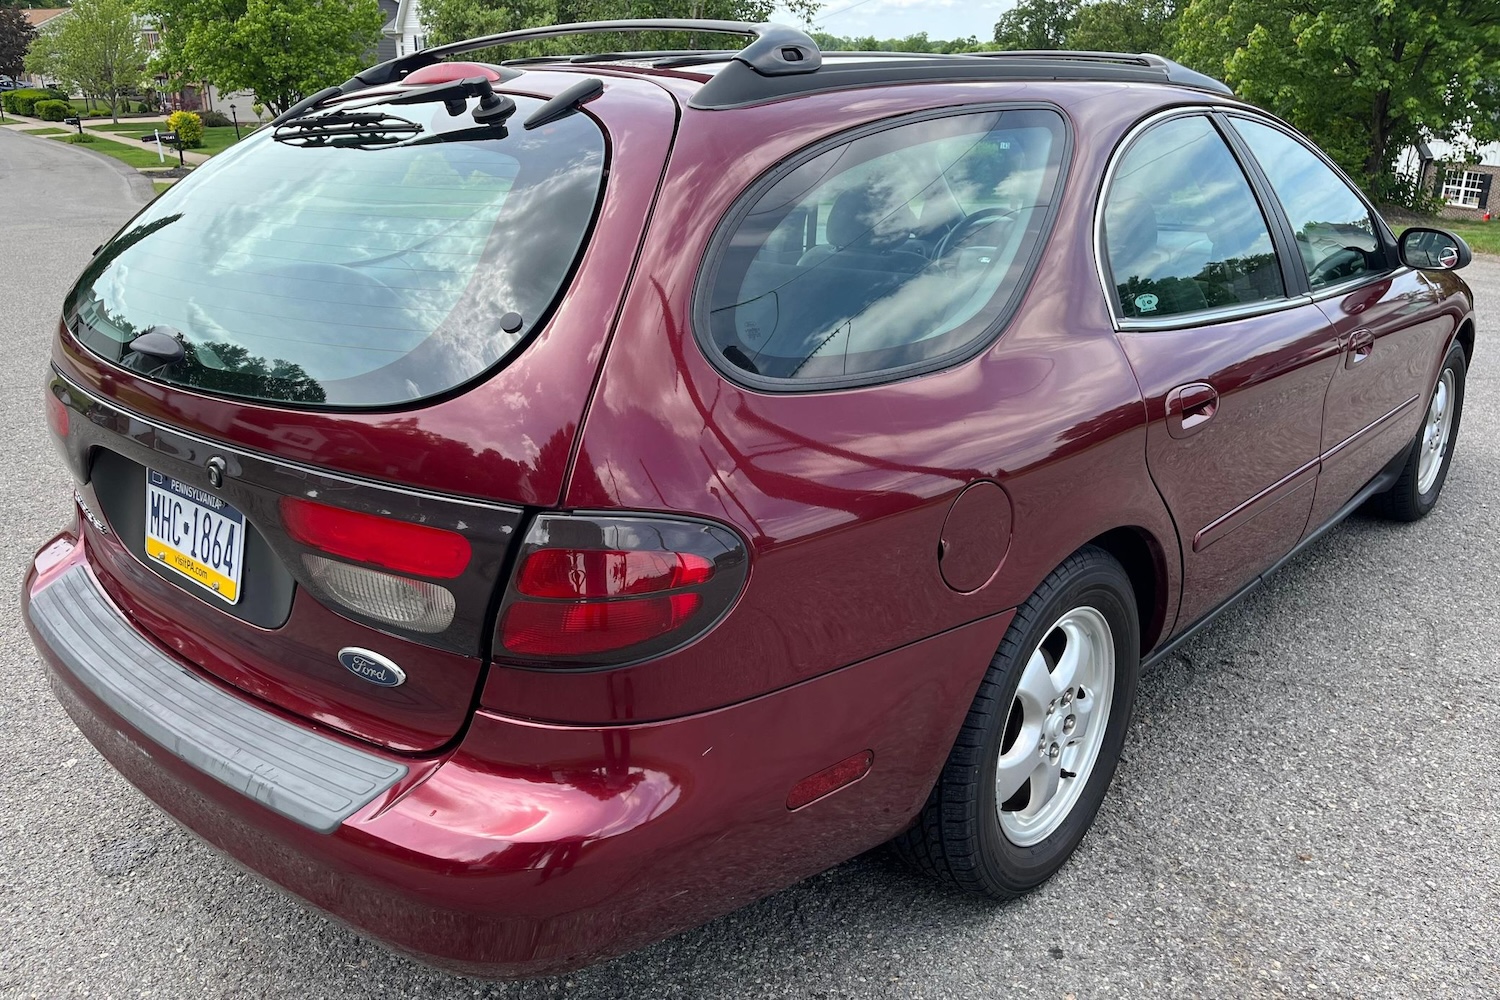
<point>1309,802</point>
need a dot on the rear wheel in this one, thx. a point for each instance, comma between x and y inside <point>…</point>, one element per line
<point>1426,469</point>
<point>1041,740</point>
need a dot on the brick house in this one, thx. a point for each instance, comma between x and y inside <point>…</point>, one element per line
<point>1464,189</point>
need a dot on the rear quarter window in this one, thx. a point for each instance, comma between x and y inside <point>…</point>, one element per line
<point>895,250</point>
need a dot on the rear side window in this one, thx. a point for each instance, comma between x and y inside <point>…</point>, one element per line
<point>896,251</point>
<point>313,272</point>
<point>1335,233</point>
<point>1183,232</point>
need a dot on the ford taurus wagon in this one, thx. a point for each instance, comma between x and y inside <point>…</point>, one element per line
<point>527,509</point>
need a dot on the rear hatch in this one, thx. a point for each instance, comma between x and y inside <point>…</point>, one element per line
<point>310,392</point>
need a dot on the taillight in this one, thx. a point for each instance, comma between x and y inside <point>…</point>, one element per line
<point>399,545</point>
<point>410,550</point>
<point>601,591</point>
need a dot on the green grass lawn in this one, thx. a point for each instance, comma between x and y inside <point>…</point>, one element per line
<point>133,155</point>
<point>45,131</point>
<point>141,127</point>
<point>161,185</point>
<point>215,140</point>
<point>1482,237</point>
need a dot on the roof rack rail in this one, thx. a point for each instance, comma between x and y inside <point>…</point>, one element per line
<point>1175,72</point>
<point>776,51</point>
<point>782,61</point>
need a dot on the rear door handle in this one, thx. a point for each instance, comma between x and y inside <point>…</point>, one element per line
<point>1190,407</point>
<point>1361,346</point>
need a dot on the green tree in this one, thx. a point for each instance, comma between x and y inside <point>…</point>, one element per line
<point>16,34</point>
<point>281,49</point>
<point>1365,78</point>
<point>1124,26</point>
<point>1036,24</point>
<point>97,49</point>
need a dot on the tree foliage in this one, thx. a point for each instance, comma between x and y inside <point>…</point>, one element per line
<point>452,20</point>
<point>96,49</point>
<point>1124,26</point>
<point>16,34</point>
<point>1037,24</point>
<point>281,49</point>
<point>1364,78</point>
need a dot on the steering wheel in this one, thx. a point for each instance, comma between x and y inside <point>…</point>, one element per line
<point>967,224</point>
<point>1345,262</point>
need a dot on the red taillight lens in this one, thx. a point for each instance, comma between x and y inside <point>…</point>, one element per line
<point>397,545</point>
<point>595,591</point>
<point>579,628</point>
<point>57,416</point>
<point>581,573</point>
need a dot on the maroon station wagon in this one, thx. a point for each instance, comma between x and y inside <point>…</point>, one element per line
<point>527,510</point>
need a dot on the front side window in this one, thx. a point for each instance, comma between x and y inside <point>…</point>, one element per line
<point>1336,236</point>
<point>1183,232</point>
<point>896,251</point>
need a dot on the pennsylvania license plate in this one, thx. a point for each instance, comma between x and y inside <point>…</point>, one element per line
<point>195,534</point>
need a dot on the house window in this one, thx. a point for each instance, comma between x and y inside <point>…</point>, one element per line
<point>1464,188</point>
<point>418,43</point>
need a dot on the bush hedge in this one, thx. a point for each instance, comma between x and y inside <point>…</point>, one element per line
<point>214,119</point>
<point>79,137</point>
<point>188,126</point>
<point>23,101</point>
<point>52,111</point>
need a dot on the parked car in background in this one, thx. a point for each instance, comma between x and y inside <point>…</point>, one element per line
<point>555,503</point>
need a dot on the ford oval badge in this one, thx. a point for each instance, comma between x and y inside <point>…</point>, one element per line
<point>371,667</point>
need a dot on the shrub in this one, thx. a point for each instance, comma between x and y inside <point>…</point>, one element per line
<point>23,101</point>
<point>52,111</point>
<point>259,109</point>
<point>79,137</point>
<point>188,126</point>
<point>213,119</point>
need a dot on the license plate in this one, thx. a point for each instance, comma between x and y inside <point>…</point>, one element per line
<point>194,534</point>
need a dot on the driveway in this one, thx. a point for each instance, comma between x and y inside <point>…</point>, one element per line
<point>1309,802</point>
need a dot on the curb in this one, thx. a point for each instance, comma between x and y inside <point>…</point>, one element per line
<point>139,183</point>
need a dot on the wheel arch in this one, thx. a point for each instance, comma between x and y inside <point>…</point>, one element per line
<point>1145,562</point>
<point>1465,339</point>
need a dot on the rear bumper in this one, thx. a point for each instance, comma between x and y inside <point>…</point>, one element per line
<point>526,849</point>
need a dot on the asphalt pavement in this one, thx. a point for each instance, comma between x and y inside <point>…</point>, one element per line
<point>1309,802</point>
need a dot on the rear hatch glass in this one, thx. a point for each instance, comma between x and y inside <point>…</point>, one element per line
<point>351,275</point>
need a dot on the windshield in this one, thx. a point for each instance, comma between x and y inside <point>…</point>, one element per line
<point>351,275</point>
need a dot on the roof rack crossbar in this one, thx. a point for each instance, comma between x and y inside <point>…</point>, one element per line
<point>777,50</point>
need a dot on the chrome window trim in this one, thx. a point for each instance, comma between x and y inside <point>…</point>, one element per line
<point>1207,317</point>
<point>1180,320</point>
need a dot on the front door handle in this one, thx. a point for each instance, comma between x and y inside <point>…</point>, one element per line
<point>1361,345</point>
<point>1190,407</point>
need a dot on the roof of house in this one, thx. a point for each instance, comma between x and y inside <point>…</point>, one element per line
<point>37,18</point>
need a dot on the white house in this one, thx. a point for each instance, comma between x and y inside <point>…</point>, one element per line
<point>404,33</point>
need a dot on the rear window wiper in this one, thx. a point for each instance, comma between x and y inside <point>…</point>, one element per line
<point>347,128</point>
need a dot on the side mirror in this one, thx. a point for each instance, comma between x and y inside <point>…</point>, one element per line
<point>1433,250</point>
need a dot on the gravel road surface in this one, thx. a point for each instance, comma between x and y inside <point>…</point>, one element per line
<point>1309,802</point>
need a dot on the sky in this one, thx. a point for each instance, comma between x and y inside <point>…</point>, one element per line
<point>898,18</point>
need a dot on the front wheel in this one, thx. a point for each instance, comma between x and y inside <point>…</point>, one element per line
<point>1042,738</point>
<point>1421,481</point>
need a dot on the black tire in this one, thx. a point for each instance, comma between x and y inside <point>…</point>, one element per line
<point>959,837</point>
<point>1406,501</point>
